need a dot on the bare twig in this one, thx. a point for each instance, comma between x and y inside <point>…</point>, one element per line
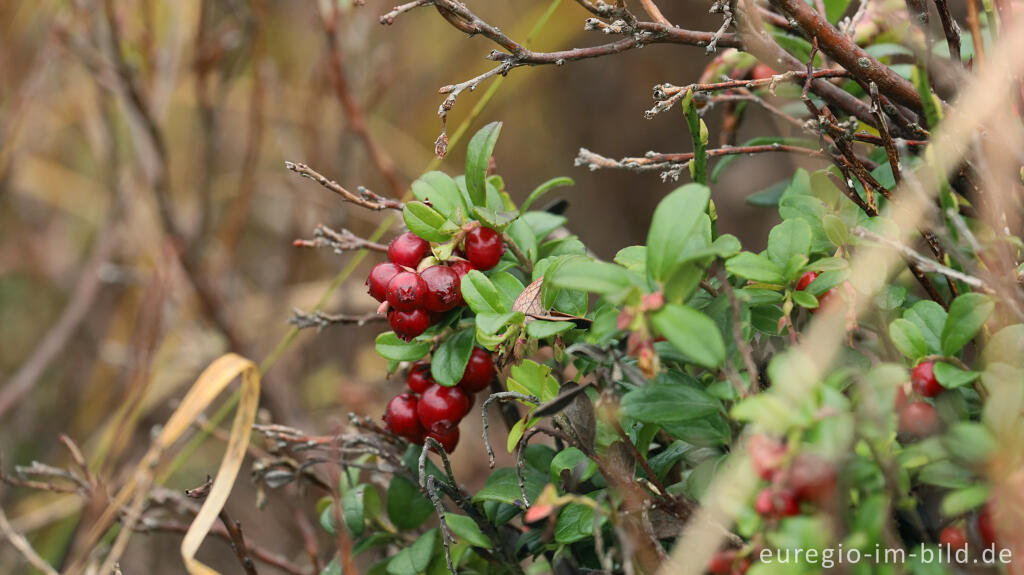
<point>924,264</point>
<point>340,242</point>
<point>365,198</point>
<point>320,320</point>
<point>19,542</point>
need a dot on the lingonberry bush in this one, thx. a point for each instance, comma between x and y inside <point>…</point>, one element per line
<point>849,395</point>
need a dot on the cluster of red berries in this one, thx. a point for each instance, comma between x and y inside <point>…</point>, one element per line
<point>918,418</point>
<point>807,478</point>
<point>823,299</point>
<point>954,536</point>
<point>416,297</point>
<point>428,409</point>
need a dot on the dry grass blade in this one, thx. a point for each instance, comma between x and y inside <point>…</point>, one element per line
<point>210,384</point>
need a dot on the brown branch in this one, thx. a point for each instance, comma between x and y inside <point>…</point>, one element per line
<point>320,320</point>
<point>951,29</point>
<point>340,242</point>
<point>848,54</point>
<point>653,162</point>
<point>883,130</point>
<point>654,12</point>
<point>365,199</point>
<point>19,542</point>
<point>233,528</point>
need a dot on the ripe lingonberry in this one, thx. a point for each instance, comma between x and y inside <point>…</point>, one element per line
<point>461,267</point>
<point>419,378</point>
<point>408,249</point>
<point>441,407</point>
<point>406,291</point>
<point>379,278</point>
<point>763,505</point>
<point>776,503</point>
<point>721,562</point>
<point>918,419</point>
<point>442,288</point>
<point>479,372</point>
<point>408,324</point>
<point>900,399</point>
<point>766,455</point>
<point>447,436</point>
<point>954,536</point>
<point>986,527</point>
<point>483,248</point>
<point>922,377</point>
<point>805,280</point>
<point>401,417</point>
<point>761,72</point>
<point>812,478</point>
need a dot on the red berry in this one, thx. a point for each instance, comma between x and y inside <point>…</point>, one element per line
<point>448,437</point>
<point>918,419</point>
<point>441,407</point>
<point>419,378</point>
<point>461,267</point>
<point>900,401</point>
<point>379,278</point>
<point>986,528</point>
<point>483,248</point>
<point>953,536</point>
<point>764,504</point>
<point>721,562</point>
<point>479,372</point>
<point>408,324</point>
<point>766,455</point>
<point>812,478</point>
<point>442,288</point>
<point>401,417</point>
<point>406,291</point>
<point>742,566</point>
<point>824,299</point>
<point>805,280</point>
<point>408,249</point>
<point>922,377</point>
<point>761,72</point>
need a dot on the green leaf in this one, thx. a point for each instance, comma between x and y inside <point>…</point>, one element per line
<point>543,223</point>
<point>478,159</point>
<point>835,229</point>
<point>524,238</point>
<point>449,361</point>
<point>359,503</point>
<point>415,558</point>
<point>508,286</point>
<point>950,376</point>
<point>498,220</point>
<point>907,338</point>
<point>963,500</point>
<point>545,188</point>
<point>755,267</point>
<point>480,294</point>
<point>490,323</point>
<point>441,191</point>
<point>390,347</point>
<point>791,237</point>
<point>668,403</point>
<point>425,222</point>
<point>692,333</point>
<point>534,379</point>
<point>805,299</point>
<point>931,319</point>
<point>967,314</point>
<point>406,506</point>
<point>542,329</point>
<point>467,530</point>
<point>583,273</point>
<point>766,198</point>
<point>569,459</point>
<point>503,486</point>
<point>575,523</point>
<point>633,258</point>
<point>828,264</point>
<point>674,219</point>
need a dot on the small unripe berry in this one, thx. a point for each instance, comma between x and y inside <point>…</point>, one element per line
<point>408,249</point>
<point>406,291</point>
<point>401,417</point>
<point>379,278</point>
<point>805,280</point>
<point>448,437</point>
<point>922,377</point>
<point>918,419</point>
<point>442,288</point>
<point>419,378</point>
<point>954,536</point>
<point>479,372</point>
<point>441,407</point>
<point>408,324</point>
<point>483,248</point>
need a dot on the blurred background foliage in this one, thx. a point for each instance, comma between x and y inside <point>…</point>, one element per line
<point>101,330</point>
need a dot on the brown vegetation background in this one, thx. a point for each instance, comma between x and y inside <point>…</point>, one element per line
<point>100,329</point>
